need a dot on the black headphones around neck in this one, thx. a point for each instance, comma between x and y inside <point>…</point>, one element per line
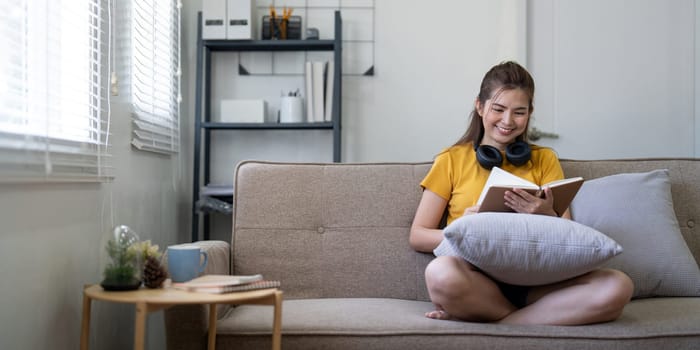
<point>517,153</point>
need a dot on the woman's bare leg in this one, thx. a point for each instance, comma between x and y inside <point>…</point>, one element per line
<point>459,291</point>
<point>595,297</point>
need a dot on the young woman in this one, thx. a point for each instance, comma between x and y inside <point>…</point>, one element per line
<point>497,136</point>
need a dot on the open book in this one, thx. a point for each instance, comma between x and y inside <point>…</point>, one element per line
<point>500,181</point>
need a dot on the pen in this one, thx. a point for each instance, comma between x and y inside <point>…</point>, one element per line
<point>273,23</point>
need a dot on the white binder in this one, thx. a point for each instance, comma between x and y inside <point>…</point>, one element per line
<point>214,19</point>
<point>239,21</point>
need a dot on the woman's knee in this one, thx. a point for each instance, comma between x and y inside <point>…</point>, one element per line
<point>615,290</point>
<point>447,276</point>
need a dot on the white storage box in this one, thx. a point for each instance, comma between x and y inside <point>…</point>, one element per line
<point>239,20</point>
<point>214,19</point>
<point>227,19</point>
<point>243,111</point>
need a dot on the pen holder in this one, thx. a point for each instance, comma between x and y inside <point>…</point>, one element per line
<point>291,110</point>
<point>279,29</point>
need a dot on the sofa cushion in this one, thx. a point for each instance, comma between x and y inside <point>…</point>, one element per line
<point>379,323</point>
<point>636,209</point>
<point>527,249</point>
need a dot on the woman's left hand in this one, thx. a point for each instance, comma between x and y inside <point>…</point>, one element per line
<point>523,202</point>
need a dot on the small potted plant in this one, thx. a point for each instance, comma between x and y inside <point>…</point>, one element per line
<point>123,271</point>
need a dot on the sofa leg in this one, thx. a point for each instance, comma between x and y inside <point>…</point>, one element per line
<point>277,323</point>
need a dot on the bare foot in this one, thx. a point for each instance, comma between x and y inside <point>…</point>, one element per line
<point>439,314</point>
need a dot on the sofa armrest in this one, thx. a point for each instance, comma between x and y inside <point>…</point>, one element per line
<point>186,326</point>
<point>218,255</point>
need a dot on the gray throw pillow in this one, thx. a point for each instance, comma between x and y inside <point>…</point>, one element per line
<point>636,210</point>
<point>526,249</point>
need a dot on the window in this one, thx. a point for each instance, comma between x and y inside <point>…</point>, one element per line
<point>54,124</point>
<point>155,74</point>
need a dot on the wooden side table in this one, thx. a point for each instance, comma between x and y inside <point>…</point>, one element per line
<point>150,300</point>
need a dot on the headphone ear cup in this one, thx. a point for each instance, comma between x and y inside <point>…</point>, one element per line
<point>518,153</point>
<point>488,156</point>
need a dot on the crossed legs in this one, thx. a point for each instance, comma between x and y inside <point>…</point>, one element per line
<point>460,291</point>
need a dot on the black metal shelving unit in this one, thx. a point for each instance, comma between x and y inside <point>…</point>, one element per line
<point>204,125</point>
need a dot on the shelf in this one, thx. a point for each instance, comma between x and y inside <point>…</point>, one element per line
<point>270,45</point>
<point>217,190</point>
<point>203,125</point>
<point>267,126</point>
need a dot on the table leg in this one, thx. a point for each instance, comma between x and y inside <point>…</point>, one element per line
<point>140,325</point>
<point>277,323</point>
<point>85,327</point>
<point>212,327</point>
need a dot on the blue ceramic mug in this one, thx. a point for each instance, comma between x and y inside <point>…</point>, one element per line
<point>184,262</point>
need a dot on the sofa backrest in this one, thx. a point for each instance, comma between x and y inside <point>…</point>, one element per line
<point>341,229</point>
<point>329,230</point>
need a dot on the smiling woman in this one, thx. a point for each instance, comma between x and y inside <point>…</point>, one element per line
<point>53,120</point>
<point>497,137</point>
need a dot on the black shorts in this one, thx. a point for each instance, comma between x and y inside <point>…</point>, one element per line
<point>517,295</point>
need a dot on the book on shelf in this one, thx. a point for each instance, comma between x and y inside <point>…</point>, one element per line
<point>328,102</point>
<point>500,181</point>
<point>318,69</point>
<point>308,81</point>
<point>319,80</point>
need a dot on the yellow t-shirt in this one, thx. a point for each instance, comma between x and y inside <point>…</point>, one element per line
<point>457,176</point>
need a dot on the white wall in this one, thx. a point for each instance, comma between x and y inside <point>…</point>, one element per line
<point>52,240</point>
<point>430,59</point>
<point>696,84</point>
<point>614,80</point>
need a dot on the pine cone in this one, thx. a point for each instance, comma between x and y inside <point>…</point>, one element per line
<point>153,273</point>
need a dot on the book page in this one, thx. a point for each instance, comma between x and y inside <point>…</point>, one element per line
<point>562,182</point>
<point>502,178</point>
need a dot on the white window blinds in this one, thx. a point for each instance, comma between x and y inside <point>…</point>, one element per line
<point>155,75</point>
<point>53,122</point>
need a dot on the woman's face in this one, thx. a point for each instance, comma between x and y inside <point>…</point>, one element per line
<point>505,117</point>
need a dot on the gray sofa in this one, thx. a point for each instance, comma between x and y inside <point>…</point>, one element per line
<point>336,236</point>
